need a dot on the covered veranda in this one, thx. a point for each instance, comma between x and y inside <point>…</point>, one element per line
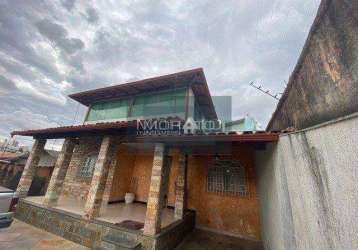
<point>153,214</point>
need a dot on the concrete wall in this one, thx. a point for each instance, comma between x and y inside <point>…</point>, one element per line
<point>324,83</point>
<point>308,188</point>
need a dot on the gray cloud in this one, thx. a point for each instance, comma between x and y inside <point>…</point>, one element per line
<point>53,48</point>
<point>58,35</point>
<point>91,15</point>
<point>6,85</point>
<point>68,4</point>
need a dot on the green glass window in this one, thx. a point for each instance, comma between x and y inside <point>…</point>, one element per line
<point>108,110</point>
<point>168,103</point>
<point>159,104</point>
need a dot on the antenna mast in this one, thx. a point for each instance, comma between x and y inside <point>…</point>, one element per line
<point>267,92</point>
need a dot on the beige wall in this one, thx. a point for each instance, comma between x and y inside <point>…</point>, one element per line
<point>308,184</point>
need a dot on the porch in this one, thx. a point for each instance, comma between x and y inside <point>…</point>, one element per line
<point>99,234</point>
<point>114,213</point>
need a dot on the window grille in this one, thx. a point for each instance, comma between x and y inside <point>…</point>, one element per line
<point>88,166</point>
<point>227,177</point>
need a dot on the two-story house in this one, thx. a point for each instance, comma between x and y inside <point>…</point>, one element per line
<point>132,146</point>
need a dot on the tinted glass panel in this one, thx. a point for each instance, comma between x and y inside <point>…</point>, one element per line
<point>159,104</point>
<point>108,110</point>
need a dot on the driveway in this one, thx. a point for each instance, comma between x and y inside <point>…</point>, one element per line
<point>24,236</point>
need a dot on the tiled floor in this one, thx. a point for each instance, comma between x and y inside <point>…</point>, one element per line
<point>113,213</point>
<point>21,236</point>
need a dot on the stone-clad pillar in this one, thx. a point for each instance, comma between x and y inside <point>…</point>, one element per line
<point>59,173</point>
<point>98,184</point>
<point>152,222</point>
<point>108,188</point>
<point>29,169</point>
<point>180,187</point>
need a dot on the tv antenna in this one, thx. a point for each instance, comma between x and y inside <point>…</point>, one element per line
<point>267,92</point>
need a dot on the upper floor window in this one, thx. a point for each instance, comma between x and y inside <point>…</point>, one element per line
<point>109,110</point>
<point>227,177</point>
<point>159,104</point>
<point>153,106</point>
<point>88,165</point>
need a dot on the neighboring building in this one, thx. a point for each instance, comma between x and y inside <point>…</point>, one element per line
<point>324,83</point>
<point>179,180</point>
<point>12,146</point>
<point>244,124</point>
<point>11,168</point>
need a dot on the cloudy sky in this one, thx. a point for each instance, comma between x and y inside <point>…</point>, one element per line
<point>49,49</point>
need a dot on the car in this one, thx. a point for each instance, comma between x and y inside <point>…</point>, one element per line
<point>8,201</point>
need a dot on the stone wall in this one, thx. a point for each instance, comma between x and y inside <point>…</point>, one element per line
<point>308,188</point>
<point>91,232</point>
<point>324,83</point>
<point>74,185</point>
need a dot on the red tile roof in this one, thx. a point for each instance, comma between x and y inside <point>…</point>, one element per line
<point>194,78</point>
<point>124,128</point>
<point>77,129</point>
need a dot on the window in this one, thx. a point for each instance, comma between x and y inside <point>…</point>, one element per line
<point>88,166</point>
<point>159,104</point>
<point>108,110</point>
<point>166,103</point>
<point>227,177</point>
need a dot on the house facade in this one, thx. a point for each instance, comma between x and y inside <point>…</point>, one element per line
<point>135,142</point>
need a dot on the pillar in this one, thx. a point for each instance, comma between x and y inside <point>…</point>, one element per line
<point>152,222</point>
<point>108,188</point>
<point>29,169</point>
<point>180,187</point>
<point>98,184</point>
<point>59,173</point>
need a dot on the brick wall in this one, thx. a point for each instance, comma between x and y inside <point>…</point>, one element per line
<point>235,215</point>
<point>74,185</point>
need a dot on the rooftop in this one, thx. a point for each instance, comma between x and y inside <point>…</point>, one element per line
<point>194,78</point>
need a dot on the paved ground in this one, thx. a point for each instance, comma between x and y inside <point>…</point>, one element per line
<point>23,236</point>
<point>203,240</point>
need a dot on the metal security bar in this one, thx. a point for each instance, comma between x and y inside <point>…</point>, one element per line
<point>227,177</point>
<point>88,166</point>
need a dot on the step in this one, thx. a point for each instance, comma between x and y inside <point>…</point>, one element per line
<point>111,242</point>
